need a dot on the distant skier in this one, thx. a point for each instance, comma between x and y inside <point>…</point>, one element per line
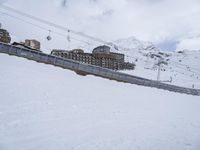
<point>193,86</point>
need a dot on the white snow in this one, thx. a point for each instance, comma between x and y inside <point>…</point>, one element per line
<point>183,68</point>
<point>46,108</point>
<point>43,107</point>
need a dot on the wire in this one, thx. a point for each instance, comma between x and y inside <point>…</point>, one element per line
<point>186,69</point>
<point>185,65</point>
<point>42,28</point>
<point>23,20</point>
<point>53,24</point>
<point>1,14</point>
<point>183,73</point>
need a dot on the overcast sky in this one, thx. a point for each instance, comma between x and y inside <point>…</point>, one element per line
<point>170,24</point>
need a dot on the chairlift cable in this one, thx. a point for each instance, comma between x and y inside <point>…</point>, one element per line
<point>52,24</point>
<point>42,28</point>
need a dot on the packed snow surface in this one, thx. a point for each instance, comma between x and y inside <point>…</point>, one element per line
<point>46,108</point>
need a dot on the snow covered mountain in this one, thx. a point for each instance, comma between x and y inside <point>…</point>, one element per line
<point>178,67</point>
<point>133,43</point>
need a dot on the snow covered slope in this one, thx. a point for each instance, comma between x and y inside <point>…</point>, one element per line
<point>45,107</point>
<point>182,67</point>
<point>133,44</point>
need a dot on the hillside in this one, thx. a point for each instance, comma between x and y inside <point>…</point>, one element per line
<point>45,107</point>
<point>182,66</point>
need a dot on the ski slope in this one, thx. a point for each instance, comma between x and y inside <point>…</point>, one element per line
<point>45,107</point>
<point>182,68</point>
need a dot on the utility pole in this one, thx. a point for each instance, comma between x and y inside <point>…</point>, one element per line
<point>64,3</point>
<point>160,62</point>
<point>158,75</point>
<point>171,79</point>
